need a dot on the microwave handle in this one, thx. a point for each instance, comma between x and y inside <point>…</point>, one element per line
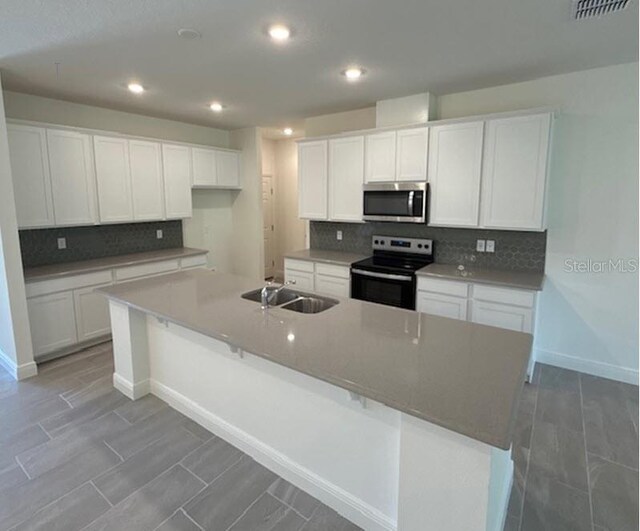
<point>410,203</point>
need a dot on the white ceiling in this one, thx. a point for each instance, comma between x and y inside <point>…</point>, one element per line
<point>406,46</point>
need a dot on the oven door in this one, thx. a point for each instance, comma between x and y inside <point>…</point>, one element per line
<point>402,202</point>
<point>384,288</point>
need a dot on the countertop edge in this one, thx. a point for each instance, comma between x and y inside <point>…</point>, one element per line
<point>187,252</point>
<point>476,280</point>
<point>353,257</point>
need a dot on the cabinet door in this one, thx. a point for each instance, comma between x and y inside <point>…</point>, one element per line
<point>228,169</point>
<point>73,181</point>
<point>31,178</point>
<point>92,313</point>
<point>411,154</point>
<point>455,165</point>
<point>312,179</point>
<point>147,192</point>
<point>346,173</point>
<point>514,172</point>
<point>53,322</point>
<point>338,287</point>
<point>442,305</point>
<point>204,167</point>
<point>177,181</point>
<point>114,178</point>
<point>502,316</point>
<point>303,279</point>
<point>380,157</point>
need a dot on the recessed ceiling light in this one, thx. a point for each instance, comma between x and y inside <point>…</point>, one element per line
<point>136,88</point>
<point>287,131</point>
<point>216,106</point>
<point>279,32</point>
<point>189,34</point>
<point>353,73</point>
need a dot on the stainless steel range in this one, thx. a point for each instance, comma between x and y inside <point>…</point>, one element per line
<point>389,276</point>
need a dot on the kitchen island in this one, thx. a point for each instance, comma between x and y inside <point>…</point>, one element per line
<point>398,420</point>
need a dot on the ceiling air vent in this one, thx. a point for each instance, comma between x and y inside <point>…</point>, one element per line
<point>582,9</point>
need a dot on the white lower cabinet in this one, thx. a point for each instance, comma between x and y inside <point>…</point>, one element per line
<point>338,287</point>
<point>328,279</point>
<point>442,305</point>
<point>502,316</point>
<point>53,322</point>
<point>301,273</point>
<point>92,313</point>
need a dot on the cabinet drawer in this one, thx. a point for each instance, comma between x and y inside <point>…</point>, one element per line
<point>194,261</point>
<point>516,297</point>
<point>303,279</point>
<point>146,270</point>
<point>43,287</point>
<point>502,316</point>
<point>442,305</point>
<point>338,287</point>
<point>447,287</point>
<point>331,270</point>
<point>298,265</point>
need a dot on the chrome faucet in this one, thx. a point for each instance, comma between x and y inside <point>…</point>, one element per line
<point>269,292</point>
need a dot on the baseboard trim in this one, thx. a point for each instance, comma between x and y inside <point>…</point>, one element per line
<point>18,372</point>
<point>596,368</point>
<point>129,389</point>
<point>349,506</point>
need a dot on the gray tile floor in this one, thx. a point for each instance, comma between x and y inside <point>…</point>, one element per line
<point>76,454</point>
<point>576,454</point>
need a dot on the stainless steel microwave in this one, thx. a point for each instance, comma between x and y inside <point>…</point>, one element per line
<point>401,202</point>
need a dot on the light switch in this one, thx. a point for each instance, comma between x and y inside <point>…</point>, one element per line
<point>339,235</point>
<point>480,246</point>
<point>159,234</point>
<point>491,246</point>
<point>62,243</point>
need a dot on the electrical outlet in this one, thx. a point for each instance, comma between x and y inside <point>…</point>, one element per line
<point>339,235</point>
<point>491,246</point>
<point>480,246</point>
<point>62,243</point>
<point>159,234</point>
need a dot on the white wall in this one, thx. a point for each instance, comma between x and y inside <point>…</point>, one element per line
<point>587,321</point>
<point>247,244</point>
<point>16,350</point>
<point>328,124</point>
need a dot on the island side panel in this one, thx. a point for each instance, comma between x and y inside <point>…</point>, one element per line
<point>130,350</point>
<point>450,482</point>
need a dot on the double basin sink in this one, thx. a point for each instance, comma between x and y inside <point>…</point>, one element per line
<point>294,301</point>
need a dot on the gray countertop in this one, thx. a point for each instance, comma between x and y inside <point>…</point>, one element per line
<point>327,257</point>
<point>109,262</point>
<point>498,277</point>
<point>463,376</point>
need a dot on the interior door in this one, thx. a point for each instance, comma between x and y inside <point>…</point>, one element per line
<point>268,226</point>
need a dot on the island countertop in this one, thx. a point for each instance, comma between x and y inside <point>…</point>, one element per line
<point>462,376</point>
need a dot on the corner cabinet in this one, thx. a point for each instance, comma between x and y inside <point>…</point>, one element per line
<point>31,179</point>
<point>515,172</point>
<point>313,179</point>
<point>346,176</point>
<point>177,181</point>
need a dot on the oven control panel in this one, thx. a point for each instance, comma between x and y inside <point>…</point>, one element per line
<point>403,245</point>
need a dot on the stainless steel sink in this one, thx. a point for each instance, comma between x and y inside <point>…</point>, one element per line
<point>310,304</point>
<point>283,296</point>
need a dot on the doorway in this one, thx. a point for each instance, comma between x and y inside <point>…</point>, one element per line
<point>268,226</point>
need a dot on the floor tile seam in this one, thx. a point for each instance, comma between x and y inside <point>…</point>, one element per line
<point>190,519</point>
<point>526,473</point>
<point>219,475</point>
<point>247,509</point>
<point>612,461</point>
<point>586,454</point>
<point>100,493</point>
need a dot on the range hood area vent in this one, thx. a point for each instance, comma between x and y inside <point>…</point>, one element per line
<point>583,9</point>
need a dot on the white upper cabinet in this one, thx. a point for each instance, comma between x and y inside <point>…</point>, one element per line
<point>31,180</point>
<point>73,182</point>
<point>380,157</point>
<point>177,180</point>
<point>411,154</point>
<point>346,173</point>
<point>455,166</point>
<point>204,167</point>
<point>312,179</point>
<point>228,169</point>
<point>514,172</point>
<point>147,187</point>
<point>114,179</point>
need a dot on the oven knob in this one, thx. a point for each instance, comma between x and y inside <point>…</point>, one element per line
<point>376,242</point>
<point>381,242</point>
<point>419,246</point>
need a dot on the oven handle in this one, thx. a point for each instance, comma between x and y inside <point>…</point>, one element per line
<point>402,278</point>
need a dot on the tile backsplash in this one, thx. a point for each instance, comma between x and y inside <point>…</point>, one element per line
<point>40,246</point>
<point>515,250</point>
